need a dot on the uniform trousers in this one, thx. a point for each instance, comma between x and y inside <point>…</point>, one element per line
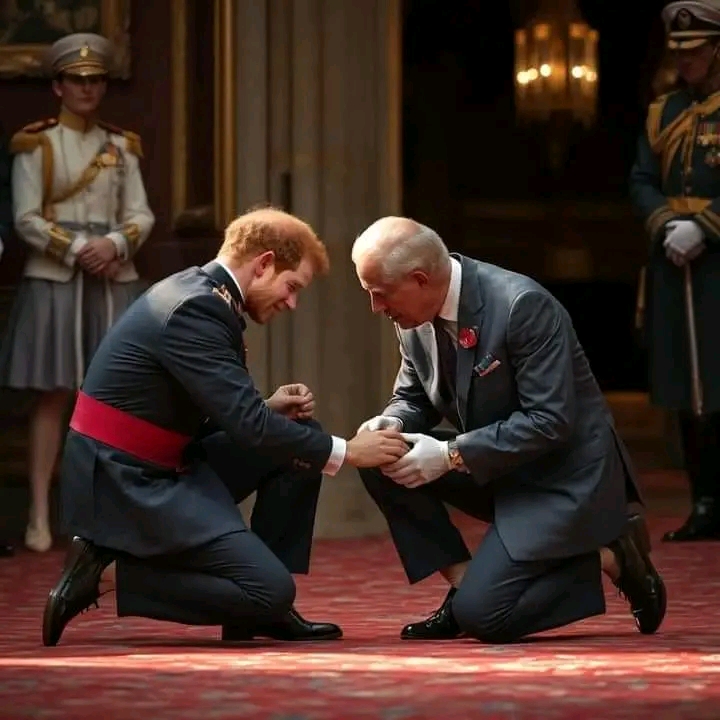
<point>242,577</point>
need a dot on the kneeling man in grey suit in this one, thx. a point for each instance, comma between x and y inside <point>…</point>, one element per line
<point>534,450</point>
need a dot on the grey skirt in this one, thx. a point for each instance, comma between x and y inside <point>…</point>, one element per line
<point>54,329</point>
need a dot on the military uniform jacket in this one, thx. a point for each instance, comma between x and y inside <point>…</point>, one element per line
<point>175,359</point>
<point>677,175</point>
<point>71,181</point>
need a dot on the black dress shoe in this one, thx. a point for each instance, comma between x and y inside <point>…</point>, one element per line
<point>77,589</point>
<point>293,627</point>
<point>639,581</point>
<point>441,625</point>
<point>703,524</point>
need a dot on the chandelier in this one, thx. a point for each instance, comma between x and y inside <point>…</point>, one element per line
<point>556,65</point>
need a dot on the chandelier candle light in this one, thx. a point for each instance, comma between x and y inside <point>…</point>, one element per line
<point>556,65</point>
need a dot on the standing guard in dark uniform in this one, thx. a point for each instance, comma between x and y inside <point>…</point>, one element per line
<point>169,433</point>
<point>675,185</point>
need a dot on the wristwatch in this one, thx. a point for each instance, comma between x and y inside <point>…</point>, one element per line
<point>456,460</point>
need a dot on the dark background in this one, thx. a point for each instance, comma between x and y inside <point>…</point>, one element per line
<point>464,150</point>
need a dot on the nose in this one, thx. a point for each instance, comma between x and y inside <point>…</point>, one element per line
<point>377,305</point>
<point>291,301</point>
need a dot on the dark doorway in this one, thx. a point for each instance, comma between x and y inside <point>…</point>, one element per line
<point>471,172</point>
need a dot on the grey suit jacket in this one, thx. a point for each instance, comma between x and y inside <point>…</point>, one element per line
<point>530,416</point>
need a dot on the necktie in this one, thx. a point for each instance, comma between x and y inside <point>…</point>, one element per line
<point>447,356</point>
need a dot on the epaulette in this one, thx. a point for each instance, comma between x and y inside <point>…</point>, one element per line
<point>40,125</point>
<point>132,140</point>
<point>28,139</point>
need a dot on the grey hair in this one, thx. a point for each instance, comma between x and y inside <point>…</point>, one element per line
<point>423,250</point>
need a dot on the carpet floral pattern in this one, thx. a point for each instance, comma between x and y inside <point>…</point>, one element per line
<point>602,668</point>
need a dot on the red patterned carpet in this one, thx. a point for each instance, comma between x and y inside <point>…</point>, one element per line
<point>602,668</point>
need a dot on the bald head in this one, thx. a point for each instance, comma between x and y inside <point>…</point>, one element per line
<point>398,246</point>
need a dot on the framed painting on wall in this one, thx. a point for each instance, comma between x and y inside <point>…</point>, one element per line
<point>29,27</point>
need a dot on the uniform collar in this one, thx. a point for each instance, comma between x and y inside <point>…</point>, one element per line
<point>76,122</point>
<point>220,273</point>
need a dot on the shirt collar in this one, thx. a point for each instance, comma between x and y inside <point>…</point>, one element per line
<point>234,279</point>
<point>449,309</point>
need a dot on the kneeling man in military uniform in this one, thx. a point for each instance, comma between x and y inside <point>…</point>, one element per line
<point>169,433</point>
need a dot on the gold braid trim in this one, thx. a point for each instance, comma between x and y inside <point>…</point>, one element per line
<point>667,143</point>
<point>132,140</point>
<point>134,144</point>
<point>710,220</point>
<point>657,219</point>
<point>28,142</point>
<point>24,142</point>
<point>108,156</point>
<point>131,232</point>
<point>60,242</point>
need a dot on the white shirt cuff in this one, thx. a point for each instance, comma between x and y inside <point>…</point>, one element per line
<point>79,241</point>
<point>337,456</point>
<point>120,243</point>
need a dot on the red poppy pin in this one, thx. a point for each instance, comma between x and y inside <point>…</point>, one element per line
<point>467,338</point>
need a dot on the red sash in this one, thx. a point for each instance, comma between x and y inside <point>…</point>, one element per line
<point>127,433</point>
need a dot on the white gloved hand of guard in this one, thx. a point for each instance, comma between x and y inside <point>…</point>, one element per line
<point>684,241</point>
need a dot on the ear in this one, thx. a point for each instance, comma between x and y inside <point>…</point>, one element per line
<point>264,262</point>
<point>56,88</point>
<point>420,277</point>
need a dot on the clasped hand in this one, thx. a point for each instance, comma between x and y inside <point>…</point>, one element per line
<point>427,460</point>
<point>684,241</point>
<point>294,401</point>
<point>99,257</point>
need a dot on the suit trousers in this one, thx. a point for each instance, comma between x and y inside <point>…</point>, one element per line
<point>241,577</point>
<point>499,599</point>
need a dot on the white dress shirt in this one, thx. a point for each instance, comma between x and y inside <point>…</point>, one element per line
<point>339,445</point>
<point>449,310</point>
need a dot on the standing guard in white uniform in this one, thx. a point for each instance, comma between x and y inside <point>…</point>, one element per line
<point>79,202</point>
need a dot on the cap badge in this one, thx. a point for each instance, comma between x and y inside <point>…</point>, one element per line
<point>684,18</point>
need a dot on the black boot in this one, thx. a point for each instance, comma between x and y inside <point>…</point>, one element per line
<point>700,439</point>
<point>441,625</point>
<point>293,627</point>
<point>703,523</point>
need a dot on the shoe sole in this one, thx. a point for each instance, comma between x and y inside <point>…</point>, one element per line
<point>251,636</point>
<point>51,606</point>
<point>641,538</point>
<point>662,597</point>
<point>430,639</point>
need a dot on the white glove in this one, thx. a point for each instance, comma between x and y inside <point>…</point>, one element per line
<point>684,241</point>
<point>382,422</point>
<point>426,461</point>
